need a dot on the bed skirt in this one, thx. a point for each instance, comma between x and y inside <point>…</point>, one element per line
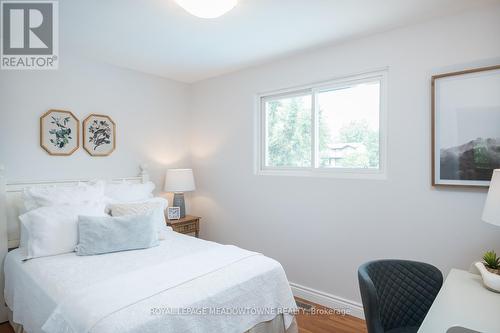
<point>276,325</point>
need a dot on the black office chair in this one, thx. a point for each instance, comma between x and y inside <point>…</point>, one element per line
<point>397,294</point>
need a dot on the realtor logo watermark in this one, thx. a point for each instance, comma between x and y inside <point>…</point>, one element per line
<point>30,35</point>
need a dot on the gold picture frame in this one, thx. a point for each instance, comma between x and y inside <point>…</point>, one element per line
<point>57,132</point>
<point>99,135</point>
<point>454,158</point>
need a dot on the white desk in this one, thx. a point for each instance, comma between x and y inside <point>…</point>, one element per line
<point>463,301</point>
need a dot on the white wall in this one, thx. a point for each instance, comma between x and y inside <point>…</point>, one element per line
<point>150,114</point>
<point>321,229</point>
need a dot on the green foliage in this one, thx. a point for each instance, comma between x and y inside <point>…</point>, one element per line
<point>62,133</point>
<point>324,136</point>
<point>355,160</point>
<point>360,132</point>
<point>481,154</point>
<point>491,260</point>
<point>100,133</point>
<point>289,133</point>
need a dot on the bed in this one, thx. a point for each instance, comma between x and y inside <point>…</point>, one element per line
<point>182,285</point>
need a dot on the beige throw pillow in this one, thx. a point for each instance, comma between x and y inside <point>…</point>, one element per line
<point>143,208</point>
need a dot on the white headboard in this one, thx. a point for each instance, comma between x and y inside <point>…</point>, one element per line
<point>13,203</point>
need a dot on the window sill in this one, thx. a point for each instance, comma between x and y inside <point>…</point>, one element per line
<point>328,173</point>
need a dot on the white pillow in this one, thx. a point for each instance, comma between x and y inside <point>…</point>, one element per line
<point>82,193</point>
<point>155,206</point>
<point>128,192</point>
<point>53,230</point>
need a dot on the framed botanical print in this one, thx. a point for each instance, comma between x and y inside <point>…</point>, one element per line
<point>99,135</point>
<point>59,132</point>
<point>466,127</point>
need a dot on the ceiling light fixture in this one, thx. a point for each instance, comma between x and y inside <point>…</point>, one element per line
<point>207,8</point>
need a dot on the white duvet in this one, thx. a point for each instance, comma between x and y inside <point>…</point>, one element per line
<point>219,295</point>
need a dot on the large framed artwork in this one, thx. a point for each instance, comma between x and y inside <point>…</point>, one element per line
<point>59,132</point>
<point>99,135</point>
<point>465,127</point>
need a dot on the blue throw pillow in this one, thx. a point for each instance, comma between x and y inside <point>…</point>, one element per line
<point>105,234</point>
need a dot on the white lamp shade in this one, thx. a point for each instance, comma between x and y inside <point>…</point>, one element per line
<point>491,212</point>
<point>179,180</point>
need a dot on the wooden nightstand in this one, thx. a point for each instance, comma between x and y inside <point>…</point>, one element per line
<point>187,225</point>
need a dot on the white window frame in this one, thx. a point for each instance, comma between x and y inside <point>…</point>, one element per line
<point>260,145</point>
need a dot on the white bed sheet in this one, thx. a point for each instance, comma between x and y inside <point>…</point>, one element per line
<point>35,287</point>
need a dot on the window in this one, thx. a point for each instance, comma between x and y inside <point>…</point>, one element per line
<point>334,128</point>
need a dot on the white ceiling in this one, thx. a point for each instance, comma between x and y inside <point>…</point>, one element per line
<point>159,37</point>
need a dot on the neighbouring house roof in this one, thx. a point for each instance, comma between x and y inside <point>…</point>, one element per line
<point>339,150</point>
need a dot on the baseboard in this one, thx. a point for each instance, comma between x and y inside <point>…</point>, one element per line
<point>328,300</point>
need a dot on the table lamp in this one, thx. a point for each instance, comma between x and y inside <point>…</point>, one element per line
<point>491,212</point>
<point>179,181</point>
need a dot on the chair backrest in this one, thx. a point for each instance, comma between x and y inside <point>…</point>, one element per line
<point>397,293</point>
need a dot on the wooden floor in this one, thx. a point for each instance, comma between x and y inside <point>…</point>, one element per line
<point>5,328</point>
<point>328,322</point>
<point>308,323</point>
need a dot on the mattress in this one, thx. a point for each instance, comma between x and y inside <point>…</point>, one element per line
<point>34,288</point>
